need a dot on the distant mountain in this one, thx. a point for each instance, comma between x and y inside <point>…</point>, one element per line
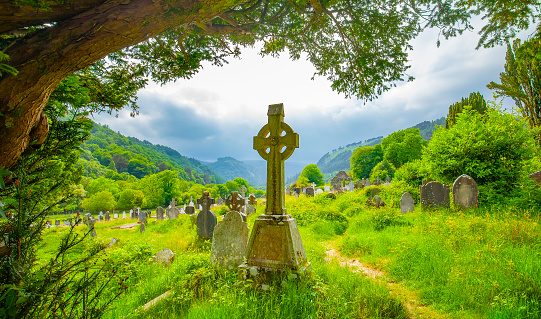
<point>230,168</point>
<point>338,159</point>
<point>109,150</point>
<point>253,171</point>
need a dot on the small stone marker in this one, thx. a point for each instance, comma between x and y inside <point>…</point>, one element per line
<point>319,191</point>
<point>206,220</point>
<point>90,222</point>
<point>434,194</point>
<point>229,241</point>
<point>465,192</point>
<point>115,215</point>
<point>252,203</point>
<point>378,201</point>
<point>107,216</point>
<point>326,188</point>
<point>57,222</point>
<point>159,213</point>
<point>377,182</point>
<point>143,217</point>
<point>350,186</point>
<point>123,215</point>
<point>310,192</point>
<point>131,213</point>
<point>164,256</point>
<point>220,201</point>
<point>275,241</point>
<point>142,227</point>
<point>536,176</point>
<point>235,202</point>
<point>406,203</point>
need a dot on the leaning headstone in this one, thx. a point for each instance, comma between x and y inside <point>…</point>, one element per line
<point>406,203</point>
<point>465,192</point>
<point>164,256</point>
<point>159,213</point>
<point>275,241</point>
<point>310,192</point>
<point>206,220</point>
<point>536,176</point>
<point>229,241</point>
<point>434,194</point>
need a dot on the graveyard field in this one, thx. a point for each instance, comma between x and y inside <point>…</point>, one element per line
<point>365,263</point>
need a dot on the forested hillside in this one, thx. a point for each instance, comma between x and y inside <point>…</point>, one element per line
<point>113,155</point>
<point>230,168</point>
<point>339,159</point>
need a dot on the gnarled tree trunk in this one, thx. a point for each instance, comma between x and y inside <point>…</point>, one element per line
<point>94,29</point>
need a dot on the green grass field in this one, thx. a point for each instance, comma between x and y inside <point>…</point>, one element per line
<point>483,263</point>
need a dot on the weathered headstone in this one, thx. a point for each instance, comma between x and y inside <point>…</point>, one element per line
<point>173,211</point>
<point>190,210</point>
<point>242,191</point>
<point>377,182</point>
<point>465,192</point>
<point>220,201</point>
<point>164,256</point>
<point>288,190</point>
<point>536,176</point>
<point>229,241</point>
<point>252,203</point>
<point>123,215</point>
<point>350,186</point>
<point>57,222</point>
<point>235,202</point>
<point>327,188</point>
<point>206,220</point>
<point>131,213</point>
<point>319,191</point>
<point>434,194</point>
<point>107,216</point>
<point>100,216</point>
<point>115,215</point>
<point>310,192</point>
<point>358,185</point>
<point>406,203</point>
<point>142,227</point>
<point>275,241</point>
<point>378,201</point>
<point>143,217</point>
<point>90,222</point>
<point>159,213</point>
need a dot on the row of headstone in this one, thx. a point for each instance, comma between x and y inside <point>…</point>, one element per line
<point>465,193</point>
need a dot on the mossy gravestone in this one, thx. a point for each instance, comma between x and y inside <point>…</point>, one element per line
<point>406,203</point>
<point>230,238</point>
<point>275,242</point>
<point>465,192</point>
<point>206,220</point>
<point>434,194</point>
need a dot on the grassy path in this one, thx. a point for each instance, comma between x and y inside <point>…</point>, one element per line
<point>409,298</point>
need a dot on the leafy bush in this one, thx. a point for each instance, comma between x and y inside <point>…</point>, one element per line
<point>383,218</point>
<point>391,194</point>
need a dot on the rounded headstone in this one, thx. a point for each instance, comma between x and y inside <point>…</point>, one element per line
<point>229,241</point>
<point>406,203</point>
<point>164,256</point>
<point>465,192</point>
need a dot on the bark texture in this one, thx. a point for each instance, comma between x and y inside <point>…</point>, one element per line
<point>95,29</point>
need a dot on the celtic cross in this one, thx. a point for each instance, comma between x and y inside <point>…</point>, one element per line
<point>234,201</point>
<point>205,201</point>
<point>252,200</point>
<point>275,142</point>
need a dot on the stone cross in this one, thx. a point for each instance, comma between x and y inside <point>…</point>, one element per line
<point>205,201</point>
<point>243,191</point>
<point>174,202</point>
<point>252,200</point>
<point>269,143</point>
<point>234,201</point>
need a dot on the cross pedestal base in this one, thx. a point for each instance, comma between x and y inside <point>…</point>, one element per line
<point>275,243</point>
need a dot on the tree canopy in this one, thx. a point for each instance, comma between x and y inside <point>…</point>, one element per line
<point>113,47</point>
<point>310,174</point>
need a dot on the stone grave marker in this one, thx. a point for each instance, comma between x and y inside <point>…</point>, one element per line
<point>115,215</point>
<point>164,256</point>
<point>378,201</point>
<point>388,180</point>
<point>123,215</point>
<point>288,190</point>
<point>319,191</point>
<point>310,192</point>
<point>326,188</point>
<point>142,227</point>
<point>377,182</point>
<point>159,213</point>
<point>131,213</point>
<point>536,176</point>
<point>350,186</point>
<point>235,202</point>
<point>434,194</point>
<point>90,224</point>
<point>190,210</point>
<point>229,241</point>
<point>107,216</point>
<point>242,191</point>
<point>172,212</point>
<point>100,216</point>
<point>143,217</point>
<point>252,202</point>
<point>406,203</point>
<point>275,242</point>
<point>465,192</point>
<point>220,201</point>
<point>57,222</point>
<point>206,220</point>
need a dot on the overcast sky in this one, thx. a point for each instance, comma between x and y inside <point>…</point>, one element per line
<point>218,111</point>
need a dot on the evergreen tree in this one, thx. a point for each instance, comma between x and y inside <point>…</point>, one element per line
<point>475,100</point>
